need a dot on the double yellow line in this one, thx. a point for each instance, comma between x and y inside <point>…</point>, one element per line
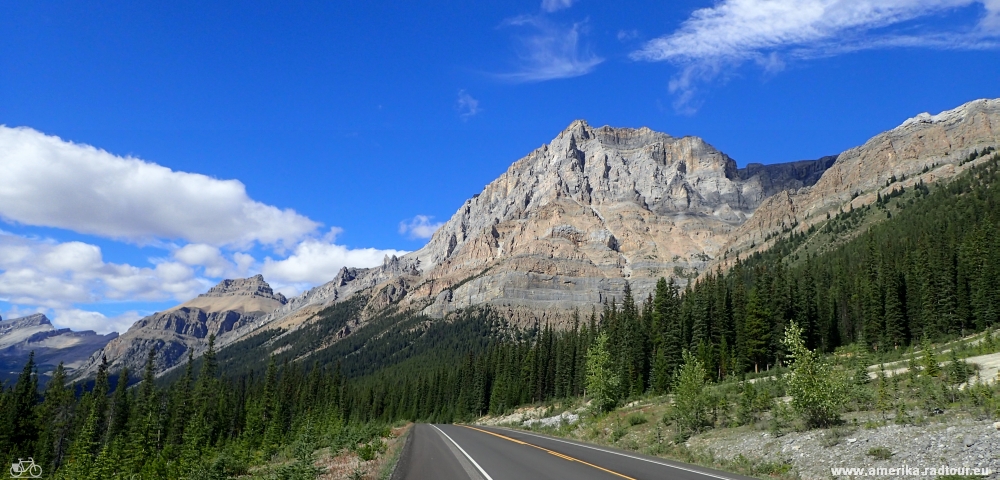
<point>551,452</point>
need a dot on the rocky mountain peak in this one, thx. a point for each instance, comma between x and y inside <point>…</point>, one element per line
<point>567,224</point>
<point>36,319</point>
<point>17,329</point>
<point>254,286</point>
<point>954,115</point>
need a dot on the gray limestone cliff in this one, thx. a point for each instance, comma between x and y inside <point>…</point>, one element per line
<point>567,225</point>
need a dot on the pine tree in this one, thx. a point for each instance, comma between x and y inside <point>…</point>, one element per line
<point>119,411</point>
<point>757,332</point>
<point>894,319</point>
<point>661,374</point>
<point>20,411</point>
<point>55,415</point>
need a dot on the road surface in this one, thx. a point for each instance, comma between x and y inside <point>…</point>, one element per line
<point>459,452</point>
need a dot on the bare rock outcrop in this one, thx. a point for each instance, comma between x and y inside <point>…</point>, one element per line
<point>568,224</point>
<point>225,308</point>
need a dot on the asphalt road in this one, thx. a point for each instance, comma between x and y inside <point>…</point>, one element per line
<point>457,452</point>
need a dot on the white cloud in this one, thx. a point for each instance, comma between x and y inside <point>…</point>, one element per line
<point>77,320</point>
<point>214,262</point>
<point>45,181</point>
<point>550,51</point>
<point>467,106</point>
<point>732,32</point>
<point>419,226</point>
<point>556,5</point>
<point>48,274</point>
<point>316,261</point>
<point>210,228</point>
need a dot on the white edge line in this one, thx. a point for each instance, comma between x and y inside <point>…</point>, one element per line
<point>488,477</point>
<point>621,454</point>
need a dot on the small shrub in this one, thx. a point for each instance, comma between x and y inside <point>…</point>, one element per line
<point>760,468</point>
<point>781,418</point>
<point>817,394</point>
<point>880,453</point>
<point>618,432</point>
<point>834,436</point>
<point>369,451</point>
<point>690,411</point>
<point>636,419</point>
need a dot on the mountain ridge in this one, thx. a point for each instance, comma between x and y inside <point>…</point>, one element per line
<point>566,225</point>
<point>185,328</point>
<point>20,336</point>
<point>938,143</point>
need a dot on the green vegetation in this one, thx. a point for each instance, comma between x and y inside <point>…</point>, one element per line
<point>201,426</point>
<point>817,394</point>
<point>880,453</point>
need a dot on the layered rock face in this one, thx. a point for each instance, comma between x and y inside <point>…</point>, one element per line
<point>937,143</point>
<point>568,224</point>
<point>20,336</point>
<point>228,306</point>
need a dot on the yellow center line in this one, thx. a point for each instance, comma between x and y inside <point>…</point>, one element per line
<point>560,455</point>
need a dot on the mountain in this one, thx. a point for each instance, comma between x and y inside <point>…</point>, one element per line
<point>173,333</point>
<point>20,336</point>
<point>926,148</point>
<point>567,225</point>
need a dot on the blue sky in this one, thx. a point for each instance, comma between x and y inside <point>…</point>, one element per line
<point>152,148</point>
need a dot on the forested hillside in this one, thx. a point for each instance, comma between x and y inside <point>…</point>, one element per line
<point>919,263</point>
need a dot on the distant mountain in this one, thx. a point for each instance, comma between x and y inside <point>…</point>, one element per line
<point>567,225</point>
<point>20,336</point>
<point>173,333</point>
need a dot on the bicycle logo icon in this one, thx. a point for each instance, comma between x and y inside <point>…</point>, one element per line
<point>25,469</point>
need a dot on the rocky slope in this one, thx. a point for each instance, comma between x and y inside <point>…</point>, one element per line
<point>568,224</point>
<point>20,336</point>
<point>938,143</point>
<point>228,306</point>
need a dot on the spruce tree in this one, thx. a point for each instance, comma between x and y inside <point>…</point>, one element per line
<point>55,416</point>
<point>20,411</point>
<point>756,330</point>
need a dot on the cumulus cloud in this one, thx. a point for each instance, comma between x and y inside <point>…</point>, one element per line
<point>213,261</point>
<point>419,226</point>
<point>549,51</point>
<point>467,106</point>
<point>49,274</point>
<point>210,228</point>
<point>768,31</point>
<point>556,5</point>
<point>316,261</point>
<point>46,181</point>
<point>77,320</point>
